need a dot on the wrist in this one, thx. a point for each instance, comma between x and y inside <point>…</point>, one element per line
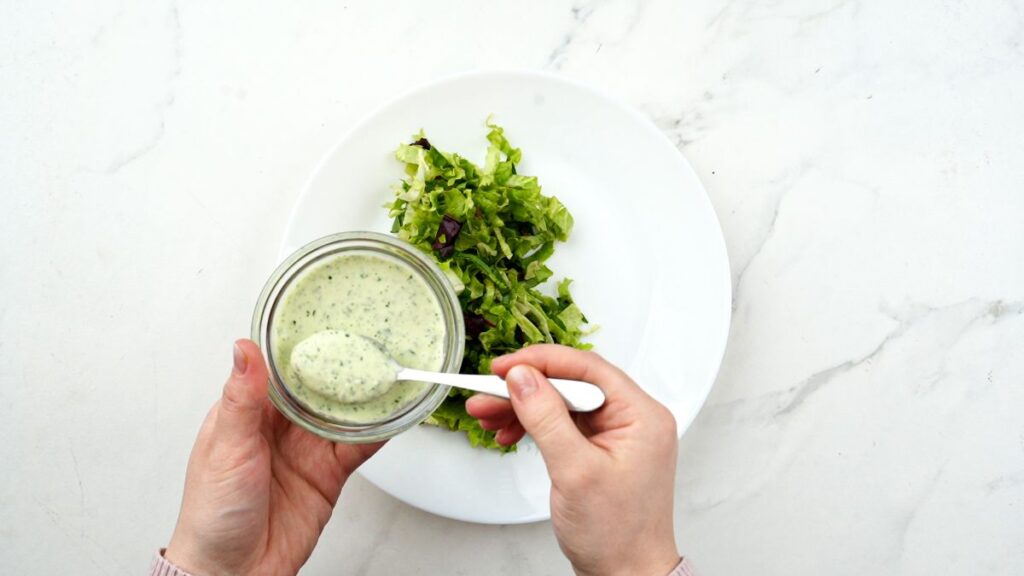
<point>659,562</point>
<point>665,565</point>
<point>161,566</point>
<point>660,565</point>
<point>185,557</point>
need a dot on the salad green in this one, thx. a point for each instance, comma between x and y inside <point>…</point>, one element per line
<point>491,231</point>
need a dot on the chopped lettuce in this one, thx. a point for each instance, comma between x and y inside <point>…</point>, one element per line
<point>491,230</point>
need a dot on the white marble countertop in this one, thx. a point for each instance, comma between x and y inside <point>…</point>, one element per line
<point>866,160</point>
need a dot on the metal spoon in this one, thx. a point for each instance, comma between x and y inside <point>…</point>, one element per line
<point>365,370</point>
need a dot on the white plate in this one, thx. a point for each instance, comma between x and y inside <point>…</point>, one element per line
<point>647,256</point>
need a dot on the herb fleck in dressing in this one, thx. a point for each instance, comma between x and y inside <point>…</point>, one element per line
<point>359,294</point>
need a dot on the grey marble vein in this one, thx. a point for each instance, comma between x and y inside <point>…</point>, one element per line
<point>690,125</point>
<point>775,188</point>
<point>1005,481</point>
<point>153,140</point>
<point>799,393</point>
<point>580,14</point>
<point>144,148</point>
<point>816,17</point>
<point>909,514</point>
<point>905,319</point>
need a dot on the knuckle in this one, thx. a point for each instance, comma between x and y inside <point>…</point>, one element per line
<point>593,359</point>
<point>664,425</point>
<point>236,401</point>
<point>592,365</point>
<point>231,399</point>
<point>546,423</point>
<point>671,428</point>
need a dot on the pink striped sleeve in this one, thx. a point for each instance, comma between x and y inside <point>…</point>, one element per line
<point>161,567</point>
<point>684,568</point>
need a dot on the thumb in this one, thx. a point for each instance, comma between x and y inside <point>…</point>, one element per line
<point>245,393</point>
<point>542,412</point>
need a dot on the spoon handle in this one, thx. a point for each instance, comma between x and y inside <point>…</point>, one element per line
<point>579,396</point>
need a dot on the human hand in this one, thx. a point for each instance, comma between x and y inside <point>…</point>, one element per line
<point>259,489</point>
<point>612,471</point>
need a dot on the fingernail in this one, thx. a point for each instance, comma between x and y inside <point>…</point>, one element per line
<point>521,381</point>
<point>241,362</point>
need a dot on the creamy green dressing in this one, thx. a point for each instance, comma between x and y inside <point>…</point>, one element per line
<point>366,295</point>
<point>342,366</point>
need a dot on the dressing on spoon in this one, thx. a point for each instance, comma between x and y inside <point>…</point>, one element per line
<point>342,366</point>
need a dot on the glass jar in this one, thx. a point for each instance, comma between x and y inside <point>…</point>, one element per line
<point>368,244</point>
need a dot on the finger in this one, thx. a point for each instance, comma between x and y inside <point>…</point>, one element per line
<point>497,423</point>
<point>487,406</point>
<point>557,361</point>
<point>510,434</point>
<point>542,413</point>
<point>245,394</point>
<point>490,425</point>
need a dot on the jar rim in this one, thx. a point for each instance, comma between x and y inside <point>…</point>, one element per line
<point>360,242</point>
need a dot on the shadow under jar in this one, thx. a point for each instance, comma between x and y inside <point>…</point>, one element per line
<point>369,284</point>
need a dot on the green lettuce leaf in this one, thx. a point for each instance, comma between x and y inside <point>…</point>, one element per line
<point>492,231</point>
<point>451,414</point>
